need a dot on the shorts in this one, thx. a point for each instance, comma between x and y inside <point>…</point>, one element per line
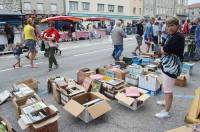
<point>168,83</point>
<point>139,39</point>
<point>17,57</point>
<point>31,45</point>
<point>146,39</point>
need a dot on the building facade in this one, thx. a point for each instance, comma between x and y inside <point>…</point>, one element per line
<point>194,11</point>
<point>43,7</point>
<point>165,8</point>
<point>114,9</point>
<point>10,6</point>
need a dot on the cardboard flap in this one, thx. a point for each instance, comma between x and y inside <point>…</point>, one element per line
<point>100,96</point>
<point>22,124</point>
<point>46,122</point>
<point>74,108</point>
<point>182,129</point>
<point>53,108</point>
<point>122,97</point>
<point>99,109</point>
<point>143,97</point>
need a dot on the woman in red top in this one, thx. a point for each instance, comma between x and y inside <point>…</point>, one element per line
<point>52,36</point>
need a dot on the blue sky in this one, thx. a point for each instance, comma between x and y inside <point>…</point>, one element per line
<point>193,1</point>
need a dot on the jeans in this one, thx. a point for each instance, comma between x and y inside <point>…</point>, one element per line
<point>118,49</point>
<point>52,58</point>
<point>197,50</point>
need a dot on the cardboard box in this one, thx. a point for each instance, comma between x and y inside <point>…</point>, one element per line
<point>187,128</point>
<point>132,103</point>
<point>181,81</point>
<point>52,80</point>
<point>25,101</point>
<point>71,91</point>
<point>48,125</point>
<point>112,87</point>
<point>21,91</point>
<point>119,74</point>
<point>135,70</point>
<point>150,82</point>
<point>188,67</point>
<point>78,108</point>
<point>132,80</point>
<point>83,73</point>
<point>56,93</point>
<point>6,124</point>
<point>32,83</point>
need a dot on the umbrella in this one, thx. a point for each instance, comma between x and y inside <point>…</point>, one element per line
<point>61,18</point>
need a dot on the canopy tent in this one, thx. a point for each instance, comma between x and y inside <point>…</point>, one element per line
<point>62,18</point>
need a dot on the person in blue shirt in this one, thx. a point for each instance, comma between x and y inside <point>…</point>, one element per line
<point>148,34</point>
<point>17,51</point>
<point>197,40</point>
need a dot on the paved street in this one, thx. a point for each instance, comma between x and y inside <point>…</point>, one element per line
<point>92,54</point>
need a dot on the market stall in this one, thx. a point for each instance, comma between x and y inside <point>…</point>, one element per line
<point>69,27</point>
<point>101,28</point>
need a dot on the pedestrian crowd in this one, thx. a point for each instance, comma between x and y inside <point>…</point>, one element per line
<point>167,38</point>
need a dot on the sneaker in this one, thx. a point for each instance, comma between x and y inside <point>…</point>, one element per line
<point>134,54</point>
<point>50,69</point>
<point>162,114</point>
<point>161,102</point>
<point>56,67</point>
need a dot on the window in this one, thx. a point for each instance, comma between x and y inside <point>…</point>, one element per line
<point>27,6</point>
<point>111,8</point>
<point>1,7</point>
<point>40,7</point>
<point>86,6</point>
<point>100,7</point>
<point>54,7</point>
<point>140,11</point>
<point>73,5</point>
<point>134,10</point>
<point>120,9</point>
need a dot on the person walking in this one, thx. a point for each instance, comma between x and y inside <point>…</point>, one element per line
<point>17,52</point>
<point>138,36</point>
<point>155,46</point>
<point>163,33</point>
<point>117,39</point>
<point>197,39</point>
<point>30,41</point>
<point>148,34</point>
<point>171,64</point>
<point>52,36</point>
<point>10,35</point>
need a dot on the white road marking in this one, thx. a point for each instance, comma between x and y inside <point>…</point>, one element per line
<point>9,69</point>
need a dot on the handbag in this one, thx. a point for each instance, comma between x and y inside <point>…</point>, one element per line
<point>171,64</point>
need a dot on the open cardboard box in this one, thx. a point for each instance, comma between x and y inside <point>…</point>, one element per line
<point>83,73</point>
<point>150,82</point>
<point>49,124</point>
<point>6,124</point>
<point>88,113</point>
<point>21,91</point>
<point>26,101</point>
<point>32,83</point>
<point>71,91</point>
<point>52,80</point>
<point>181,81</point>
<point>132,103</point>
<point>119,74</point>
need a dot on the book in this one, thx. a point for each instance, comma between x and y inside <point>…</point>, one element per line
<point>132,92</point>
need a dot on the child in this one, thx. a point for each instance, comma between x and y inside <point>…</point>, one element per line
<point>171,64</point>
<point>17,52</point>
